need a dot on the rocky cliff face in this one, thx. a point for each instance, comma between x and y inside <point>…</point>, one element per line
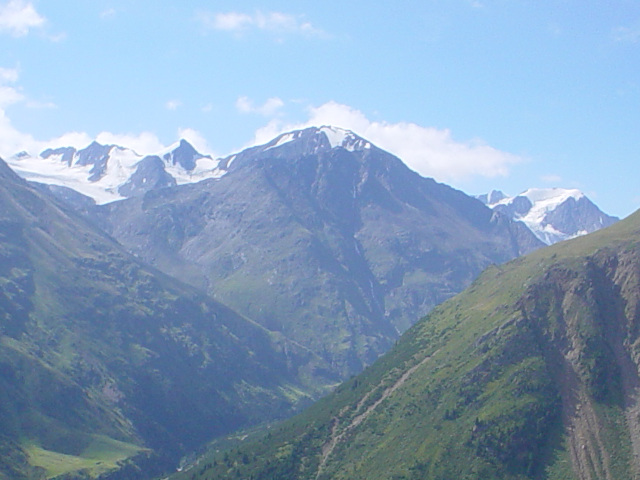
<point>589,318</point>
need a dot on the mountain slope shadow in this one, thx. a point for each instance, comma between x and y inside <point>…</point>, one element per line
<point>106,363</point>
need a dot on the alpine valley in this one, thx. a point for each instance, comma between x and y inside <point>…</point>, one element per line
<point>151,304</point>
<point>108,365</point>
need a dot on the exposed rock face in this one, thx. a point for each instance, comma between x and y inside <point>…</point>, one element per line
<point>589,318</point>
<point>323,237</point>
<point>184,155</point>
<point>149,175</point>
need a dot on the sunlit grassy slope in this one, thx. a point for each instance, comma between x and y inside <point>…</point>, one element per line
<point>101,455</point>
<point>531,373</point>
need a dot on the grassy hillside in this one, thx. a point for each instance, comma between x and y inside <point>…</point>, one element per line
<point>108,365</point>
<point>531,373</point>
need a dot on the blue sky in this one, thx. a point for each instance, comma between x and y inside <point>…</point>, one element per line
<point>480,94</point>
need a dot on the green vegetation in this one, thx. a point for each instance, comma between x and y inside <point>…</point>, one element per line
<point>100,456</point>
<point>108,366</point>
<point>528,374</point>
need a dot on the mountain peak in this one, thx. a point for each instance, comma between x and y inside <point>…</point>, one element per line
<point>553,214</point>
<point>340,137</point>
<point>316,139</point>
<point>491,198</point>
<point>554,196</point>
<point>93,152</point>
<point>300,143</point>
<point>184,155</point>
<point>110,172</point>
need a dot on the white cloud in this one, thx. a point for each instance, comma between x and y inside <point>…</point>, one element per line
<point>76,140</point>
<point>230,22</point>
<point>244,105</point>
<point>108,13</point>
<point>272,22</point>
<point>269,108</point>
<point>40,105</point>
<point>627,34</point>
<point>57,37</point>
<point>144,143</point>
<point>551,178</point>
<point>173,104</point>
<point>11,140</point>
<point>9,96</point>
<point>429,151</point>
<point>8,75</point>
<point>17,17</point>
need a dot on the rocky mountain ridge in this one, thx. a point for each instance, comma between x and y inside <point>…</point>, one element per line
<point>108,173</point>
<point>320,200</point>
<point>321,236</point>
<point>552,214</point>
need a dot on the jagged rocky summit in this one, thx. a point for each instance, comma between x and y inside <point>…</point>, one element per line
<point>552,214</point>
<point>108,173</point>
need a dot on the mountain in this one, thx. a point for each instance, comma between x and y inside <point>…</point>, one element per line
<point>552,214</point>
<point>322,237</point>
<point>107,173</point>
<point>531,373</point>
<point>108,365</point>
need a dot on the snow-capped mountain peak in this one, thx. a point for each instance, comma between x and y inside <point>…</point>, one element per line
<point>109,172</point>
<point>185,155</point>
<point>339,137</point>
<point>308,141</point>
<point>553,214</point>
<point>551,197</point>
<point>491,198</point>
<point>317,139</point>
